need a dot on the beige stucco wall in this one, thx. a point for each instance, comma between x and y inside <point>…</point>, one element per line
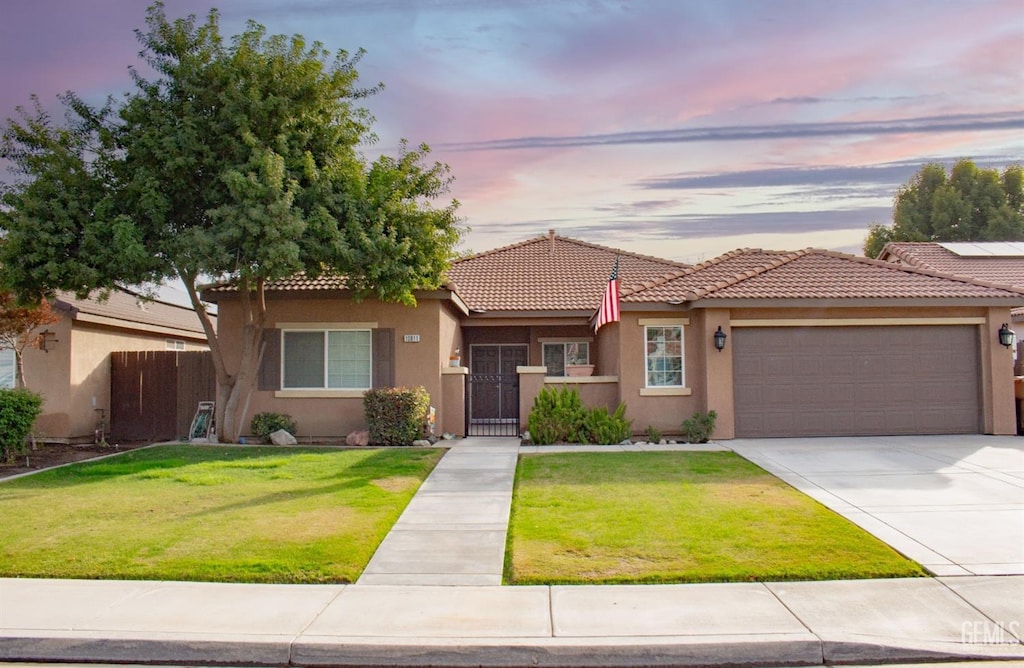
<point>323,414</point>
<point>665,413</point>
<point>74,376</point>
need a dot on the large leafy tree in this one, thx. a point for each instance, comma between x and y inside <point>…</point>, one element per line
<point>967,204</point>
<point>238,161</point>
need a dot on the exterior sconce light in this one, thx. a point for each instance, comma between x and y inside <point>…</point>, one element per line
<point>720,337</point>
<point>1006,335</point>
<point>47,340</point>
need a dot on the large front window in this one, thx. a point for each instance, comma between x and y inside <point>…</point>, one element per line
<point>559,355</point>
<point>664,356</point>
<point>335,359</point>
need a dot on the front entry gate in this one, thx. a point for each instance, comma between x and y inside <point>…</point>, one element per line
<point>492,404</point>
<point>492,389</point>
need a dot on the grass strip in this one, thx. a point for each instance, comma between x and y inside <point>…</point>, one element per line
<point>665,517</point>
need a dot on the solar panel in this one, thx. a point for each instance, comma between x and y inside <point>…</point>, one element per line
<point>985,248</point>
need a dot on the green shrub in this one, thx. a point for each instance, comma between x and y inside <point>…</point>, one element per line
<point>18,412</point>
<point>396,415</point>
<point>653,435</point>
<point>699,427</point>
<point>557,417</point>
<point>265,424</point>
<point>603,428</point>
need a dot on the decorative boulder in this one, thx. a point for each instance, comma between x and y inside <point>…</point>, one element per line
<point>421,443</point>
<point>282,437</point>
<point>359,437</point>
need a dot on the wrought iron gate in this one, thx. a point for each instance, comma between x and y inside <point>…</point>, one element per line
<point>492,404</point>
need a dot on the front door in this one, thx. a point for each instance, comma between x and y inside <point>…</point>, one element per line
<point>494,387</point>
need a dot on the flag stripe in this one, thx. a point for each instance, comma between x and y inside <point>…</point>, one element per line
<point>609,309</point>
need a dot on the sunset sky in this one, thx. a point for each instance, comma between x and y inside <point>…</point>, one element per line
<point>673,128</point>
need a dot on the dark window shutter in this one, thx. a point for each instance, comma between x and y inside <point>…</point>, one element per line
<point>270,367</point>
<point>383,358</point>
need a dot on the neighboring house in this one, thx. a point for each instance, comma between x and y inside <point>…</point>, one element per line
<point>818,343</point>
<point>72,371</point>
<point>998,262</point>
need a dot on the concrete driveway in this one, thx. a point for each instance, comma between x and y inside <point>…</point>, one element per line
<point>954,504</point>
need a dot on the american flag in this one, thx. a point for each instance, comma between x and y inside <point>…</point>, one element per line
<point>609,310</point>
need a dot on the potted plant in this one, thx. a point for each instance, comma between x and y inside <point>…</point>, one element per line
<point>454,359</point>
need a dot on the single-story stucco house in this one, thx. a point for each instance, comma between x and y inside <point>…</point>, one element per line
<point>72,369</point>
<point>817,343</point>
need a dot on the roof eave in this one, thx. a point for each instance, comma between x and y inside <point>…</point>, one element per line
<point>863,302</point>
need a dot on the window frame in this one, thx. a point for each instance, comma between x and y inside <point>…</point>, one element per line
<point>648,357</point>
<point>565,354</point>
<point>325,359</point>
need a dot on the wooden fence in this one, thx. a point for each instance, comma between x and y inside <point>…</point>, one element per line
<point>154,394</point>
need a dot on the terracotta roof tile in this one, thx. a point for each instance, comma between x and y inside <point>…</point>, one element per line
<point>810,274</point>
<point>931,255</point>
<point>548,273</point>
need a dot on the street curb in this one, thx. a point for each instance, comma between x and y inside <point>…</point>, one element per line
<point>804,650</point>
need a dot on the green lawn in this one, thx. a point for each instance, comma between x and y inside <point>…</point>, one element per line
<point>224,514</point>
<point>677,517</point>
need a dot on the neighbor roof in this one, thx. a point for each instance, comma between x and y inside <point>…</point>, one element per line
<point>128,309</point>
<point>548,273</point>
<point>998,266</point>
<point>807,274</point>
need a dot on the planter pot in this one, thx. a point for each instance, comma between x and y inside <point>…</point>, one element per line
<point>454,361</point>
<point>579,369</point>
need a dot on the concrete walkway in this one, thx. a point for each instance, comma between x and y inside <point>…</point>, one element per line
<point>404,610</point>
<point>453,530</point>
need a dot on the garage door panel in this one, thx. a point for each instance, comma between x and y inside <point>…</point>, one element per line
<point>856,380</point>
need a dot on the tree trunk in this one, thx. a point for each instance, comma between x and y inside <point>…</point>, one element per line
<point>233,390</point>
<point>19,369</point>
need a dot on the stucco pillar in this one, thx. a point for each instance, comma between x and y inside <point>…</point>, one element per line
<point>718,373</point>
<point>531,380</point>
<point>453,400</point>
<point>998,397</point>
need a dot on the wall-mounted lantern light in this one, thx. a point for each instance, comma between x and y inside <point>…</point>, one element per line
<point>47,340</point>
<point>720,337</point>
<point>1006,335</point>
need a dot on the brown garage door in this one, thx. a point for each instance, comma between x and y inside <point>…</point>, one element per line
<point>848,381</point>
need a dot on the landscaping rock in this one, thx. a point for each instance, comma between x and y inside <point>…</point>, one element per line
<point>359,437</point>
<point>626,442</point>
<point>282,437</point>
<point>421,443</point>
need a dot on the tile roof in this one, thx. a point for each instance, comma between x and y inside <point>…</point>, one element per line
<point>808,274</point>
<point>131,309</point>
<point>929,255</point>
<point>297,283</point>
<point>548,273</point>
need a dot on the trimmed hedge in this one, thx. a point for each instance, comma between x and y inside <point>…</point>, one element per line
<point>396,415</point>
<point>18,412</point>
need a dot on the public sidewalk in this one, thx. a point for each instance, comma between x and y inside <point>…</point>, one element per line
<point>432,596</point>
